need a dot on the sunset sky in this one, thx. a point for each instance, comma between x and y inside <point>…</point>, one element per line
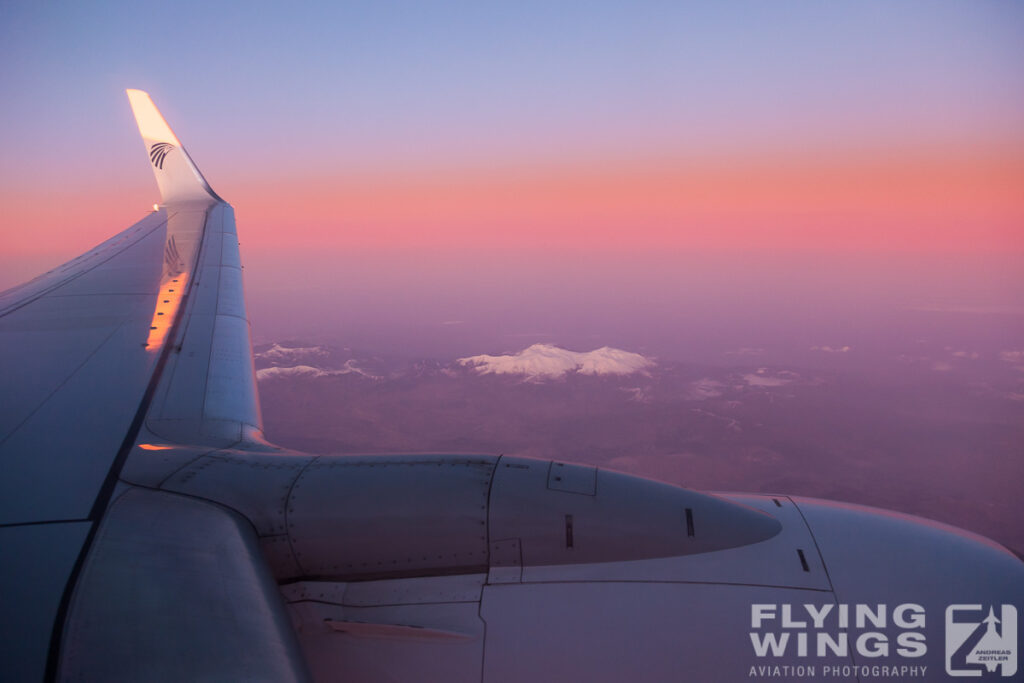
<point>451,130</point>
<point>814,208</point>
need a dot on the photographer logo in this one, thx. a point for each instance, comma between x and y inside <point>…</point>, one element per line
<point>980,639</point>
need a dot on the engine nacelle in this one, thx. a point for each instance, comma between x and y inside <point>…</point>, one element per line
<point>379,517</point>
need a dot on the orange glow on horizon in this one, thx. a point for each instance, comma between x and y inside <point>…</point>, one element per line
<point>933,202</point>
<point>899,200</point>
<point>155,447</point>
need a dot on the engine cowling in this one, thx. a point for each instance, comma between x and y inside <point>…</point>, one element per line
<point>380,516</point>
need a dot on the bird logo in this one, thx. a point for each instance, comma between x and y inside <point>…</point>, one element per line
<point>159,152</point>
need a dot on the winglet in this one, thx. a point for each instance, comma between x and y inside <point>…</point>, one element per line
<point>176,173</point>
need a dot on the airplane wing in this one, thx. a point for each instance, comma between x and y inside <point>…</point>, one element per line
<point>143,339</point>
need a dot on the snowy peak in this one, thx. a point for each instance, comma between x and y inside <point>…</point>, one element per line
<point>546,361</point>
<point>291,354</point>
<point>277,372</point>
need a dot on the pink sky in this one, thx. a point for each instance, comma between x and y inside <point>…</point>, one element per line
<point>854,127</point>
<point>964,200</point>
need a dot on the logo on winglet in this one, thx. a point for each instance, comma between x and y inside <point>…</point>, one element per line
<point>158,152</point>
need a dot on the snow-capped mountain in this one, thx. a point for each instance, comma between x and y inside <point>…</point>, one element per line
<point>546,361</point>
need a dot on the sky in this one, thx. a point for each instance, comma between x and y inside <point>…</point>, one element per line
<point>747,186</point>
<point>460,148</point>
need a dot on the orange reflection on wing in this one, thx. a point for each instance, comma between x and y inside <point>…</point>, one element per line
<point>167,303</point>
<point>154,447</point>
